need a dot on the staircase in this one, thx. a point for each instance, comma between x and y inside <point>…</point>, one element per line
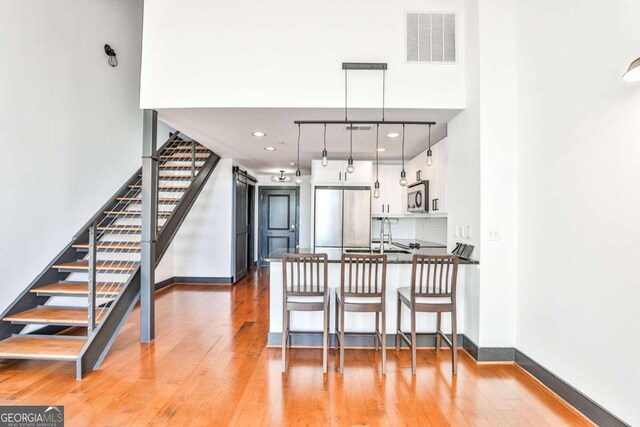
<point>74,309</point>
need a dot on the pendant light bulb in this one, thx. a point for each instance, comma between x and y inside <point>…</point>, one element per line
<point>429,157</point>
<point>403,178</point>
<point>325,161</point>
<point>298,178</point>
<point>350,167</point>
<point>376,190</point>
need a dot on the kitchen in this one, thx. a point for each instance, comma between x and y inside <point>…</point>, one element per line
<point>362,206</point>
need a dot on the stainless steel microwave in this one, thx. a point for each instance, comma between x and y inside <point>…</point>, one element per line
<point>418,197</point>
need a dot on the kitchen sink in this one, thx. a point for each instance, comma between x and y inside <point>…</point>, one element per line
<point>376,251</point>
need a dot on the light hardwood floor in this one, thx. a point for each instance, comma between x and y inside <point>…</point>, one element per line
<point>209,366</point>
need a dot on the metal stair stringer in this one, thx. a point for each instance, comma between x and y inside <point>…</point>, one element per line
<point>99,343</point>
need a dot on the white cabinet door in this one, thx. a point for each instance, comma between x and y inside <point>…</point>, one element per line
<point>333,173</point>
<point>362,174</point>
<point>394,193</point>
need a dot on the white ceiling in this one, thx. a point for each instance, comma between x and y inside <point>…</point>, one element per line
<point>227,131</point>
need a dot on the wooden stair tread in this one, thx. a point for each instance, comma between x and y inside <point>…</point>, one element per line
<point>72,288</point>
<point>185,156</point>
<point>100,265</point>
<point>179,167</point>
<point>134,213</point>
<point>26,347</point>
<point>199,149</point>
<point>110,245</point>
<point>164,187</point>
<point>120,228</point>
<point>160,200</point>
<point>54,316</point>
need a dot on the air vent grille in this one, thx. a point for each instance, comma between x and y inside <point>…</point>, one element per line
<point>431,37</point>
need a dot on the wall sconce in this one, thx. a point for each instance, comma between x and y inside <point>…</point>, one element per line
<point>633,72</point>
<point>113,60</point>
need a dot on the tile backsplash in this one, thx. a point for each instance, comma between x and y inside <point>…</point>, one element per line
<point>428,229</point>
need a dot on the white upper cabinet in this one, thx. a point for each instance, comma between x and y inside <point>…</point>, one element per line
<point>436,174</point>
<point>391,200</point>
<point>335,173</point>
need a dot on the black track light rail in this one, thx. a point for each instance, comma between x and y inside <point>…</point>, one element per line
<point>362,122</point>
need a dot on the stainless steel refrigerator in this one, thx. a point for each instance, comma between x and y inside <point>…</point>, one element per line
<point>342,219</point>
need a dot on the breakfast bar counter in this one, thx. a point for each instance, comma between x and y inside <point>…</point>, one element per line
<point>399,267</point>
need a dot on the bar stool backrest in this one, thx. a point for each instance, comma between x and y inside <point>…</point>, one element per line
<point>304,274</point>
<point>434,276</point>
<point>363,275</point>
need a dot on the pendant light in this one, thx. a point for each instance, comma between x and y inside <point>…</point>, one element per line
<point>298,178</point>
<point>429,153</point>
<point>633,72</point>
<point>325,161</point>
<point>350,167</point>
<point>376,187</point>
<point>403,174</point>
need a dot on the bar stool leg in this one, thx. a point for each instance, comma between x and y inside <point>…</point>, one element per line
<point>285,338</point>
<point>413,341</point>
<point>325,336</point>
<point>398,323</point>
<point>375,333</point>
<point>438,329</point>
<point>288,327</point>
<point>454,342</point>
<point>342,337</point>
<point>383,332</point>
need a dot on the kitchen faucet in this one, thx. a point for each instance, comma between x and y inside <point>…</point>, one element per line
<point>385,219</point>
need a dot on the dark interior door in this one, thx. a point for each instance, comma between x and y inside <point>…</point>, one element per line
<point>243,226</point>
<point>278,219</point>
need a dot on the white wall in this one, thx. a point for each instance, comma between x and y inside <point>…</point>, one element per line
<point>202,246</point>
<point>288,53</point>
<point>463,171</point>
<point>71,126</point>
<point>579,196</point>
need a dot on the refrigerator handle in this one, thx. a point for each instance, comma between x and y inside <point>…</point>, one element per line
<point>339,176</point>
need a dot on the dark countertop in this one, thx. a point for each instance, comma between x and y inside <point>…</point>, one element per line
<point>335,255</point>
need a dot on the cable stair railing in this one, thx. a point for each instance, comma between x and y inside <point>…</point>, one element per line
<point>102,263</point>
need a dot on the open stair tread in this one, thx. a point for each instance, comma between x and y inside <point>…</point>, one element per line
<point>110,245</point>
<point>165,187</point>
<point>54,316</point>
<point>160,200</point>
<point>185,156</point>
<point>179,167</point>
<point>100,265</point>
<point>74,288</point>
<point>134,213</point>
<point>47,348</point>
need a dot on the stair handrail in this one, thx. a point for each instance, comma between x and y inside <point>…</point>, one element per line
<point>109,202</point>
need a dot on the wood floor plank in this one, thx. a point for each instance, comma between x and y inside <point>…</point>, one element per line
<point>209,365</point>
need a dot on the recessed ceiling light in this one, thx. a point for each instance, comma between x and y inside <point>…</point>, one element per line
<point>270,148</point>
<point>382,150</point>
<point>292,163</point>
<point>259,134</point>
<point>393,135</point>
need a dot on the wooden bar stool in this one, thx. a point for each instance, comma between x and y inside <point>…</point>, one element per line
<point>304,279</point>
<point>363,281</point>
<point>433,290</point>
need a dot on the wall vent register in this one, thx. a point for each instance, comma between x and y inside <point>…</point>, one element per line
<point>431,37</point>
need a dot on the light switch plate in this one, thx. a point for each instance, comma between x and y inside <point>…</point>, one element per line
<point>493,234</point>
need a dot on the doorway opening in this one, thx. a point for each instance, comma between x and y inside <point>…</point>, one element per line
<point>278,218</point>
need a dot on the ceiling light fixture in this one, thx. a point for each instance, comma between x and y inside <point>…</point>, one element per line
<point>381,149</point>
<point>633,72</point>
<point>325,161</point>
<point>298,178</point>
<point>393,135</point>
<point>292,163</point>
<point>350,167</point>
<point>280,178</point>
<point>270,148</point>
<point>259,134</point>
<point>403,174</point>
<point>376,187</point>
<point>429,153</point>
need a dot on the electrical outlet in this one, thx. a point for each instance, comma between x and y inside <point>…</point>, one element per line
<point>467,232</point>
<point>493,234</point>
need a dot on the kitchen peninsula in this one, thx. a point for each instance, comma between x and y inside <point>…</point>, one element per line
<point>399,265</point>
